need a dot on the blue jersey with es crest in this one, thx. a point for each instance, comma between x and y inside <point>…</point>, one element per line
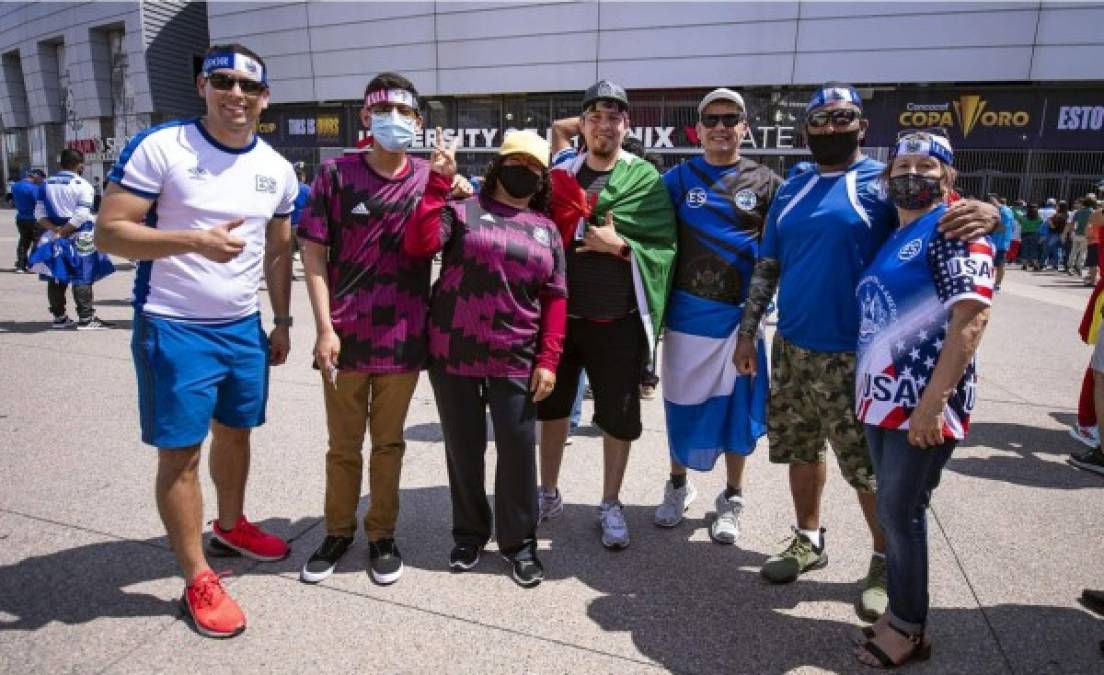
<point>824,229</point>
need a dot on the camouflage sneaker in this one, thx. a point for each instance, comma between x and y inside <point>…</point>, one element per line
<point>799,557</point>
<point>874,598</point>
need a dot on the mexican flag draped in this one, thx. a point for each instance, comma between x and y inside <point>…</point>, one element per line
<point>643,217</point>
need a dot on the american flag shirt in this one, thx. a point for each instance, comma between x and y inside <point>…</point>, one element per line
<point>905,299</point>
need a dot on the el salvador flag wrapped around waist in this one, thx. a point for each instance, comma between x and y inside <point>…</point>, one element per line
<point>70,260</point>
<point>710,409</point>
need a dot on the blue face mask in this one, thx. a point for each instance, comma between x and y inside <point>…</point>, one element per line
<point>392,132</point>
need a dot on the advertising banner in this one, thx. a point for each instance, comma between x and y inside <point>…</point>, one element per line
<point>973,119</point>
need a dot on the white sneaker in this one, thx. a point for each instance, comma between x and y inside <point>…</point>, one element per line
<point>1090,436</point>
<point>675,503</point>
<point>615,531</point>
<point>549,506</point>
<point>725,528</point>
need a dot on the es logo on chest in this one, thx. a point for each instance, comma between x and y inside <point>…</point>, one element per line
<point>266,184</point>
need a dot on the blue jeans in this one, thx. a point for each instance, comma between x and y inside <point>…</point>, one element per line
<point>906,476</point>
<point>577,408</point>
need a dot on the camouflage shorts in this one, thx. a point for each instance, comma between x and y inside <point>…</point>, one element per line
<point>812,402</point>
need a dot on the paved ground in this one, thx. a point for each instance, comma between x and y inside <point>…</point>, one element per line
<point>87,583</point>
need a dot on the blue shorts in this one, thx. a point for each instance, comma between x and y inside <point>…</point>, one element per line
<point>190,373</point>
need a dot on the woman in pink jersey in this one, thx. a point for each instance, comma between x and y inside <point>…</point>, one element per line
<point>496,326</point>
<point>924,302</point>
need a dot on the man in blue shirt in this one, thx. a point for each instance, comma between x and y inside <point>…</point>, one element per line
<point>823,228</point>
<point>302,199</point>
<point>25,195</point>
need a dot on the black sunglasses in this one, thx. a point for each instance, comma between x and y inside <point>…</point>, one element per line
<point>226,83</point>
<point>730,120</point>
<point>838,118</point>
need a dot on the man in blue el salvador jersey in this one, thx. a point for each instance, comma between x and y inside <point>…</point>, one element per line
<point>721,201</point>
<point>823,229</point>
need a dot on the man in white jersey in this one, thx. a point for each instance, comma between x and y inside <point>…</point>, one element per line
<point>204,205</point>
<point>64,207</point>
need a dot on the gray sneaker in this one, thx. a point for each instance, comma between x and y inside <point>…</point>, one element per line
<point>549,505</point>
<point>615,531</point>
<point>675,503</point>
<point>725,528</point>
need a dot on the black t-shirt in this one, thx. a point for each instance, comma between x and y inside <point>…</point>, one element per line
<point>599,285</point>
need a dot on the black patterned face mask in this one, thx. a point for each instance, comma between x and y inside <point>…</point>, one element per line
<point>913,193</point>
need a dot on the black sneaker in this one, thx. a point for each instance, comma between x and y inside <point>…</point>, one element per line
<point>1093,600</point>
<point>1090,460</point>
<point>95,323</point>
<point>384,561</point>
<point>463,557</point>
<point>526,569</point>
<point>61,322</point>
<point>322,562</point>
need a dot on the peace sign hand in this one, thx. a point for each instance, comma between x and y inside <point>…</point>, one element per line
<point>443,160</point>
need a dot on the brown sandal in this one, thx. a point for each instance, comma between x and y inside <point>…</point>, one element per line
<point>921,650</point>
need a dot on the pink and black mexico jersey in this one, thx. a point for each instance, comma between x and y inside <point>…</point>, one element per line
<point>905,297</point>
<point>379,295</point>
<point>486,310</point>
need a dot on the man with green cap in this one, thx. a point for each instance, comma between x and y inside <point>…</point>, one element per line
<point>619,230</point>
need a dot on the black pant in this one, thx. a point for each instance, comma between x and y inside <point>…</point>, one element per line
<point>461,404</point>
<point>27,232</point>
<point>82,296</point>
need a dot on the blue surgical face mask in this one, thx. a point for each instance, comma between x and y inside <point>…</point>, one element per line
<point>392,131</point>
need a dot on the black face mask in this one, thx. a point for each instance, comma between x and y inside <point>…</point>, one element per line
<point>518,180</point>
<point>914,193</point>
<point>831,149</point>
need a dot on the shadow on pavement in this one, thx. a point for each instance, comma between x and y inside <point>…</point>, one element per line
<point>85,583</point>
<point>1024,468</point>
<point>33,327</point>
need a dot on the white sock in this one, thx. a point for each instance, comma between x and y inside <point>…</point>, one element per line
<point>813,535</point>
<point>878,555</point>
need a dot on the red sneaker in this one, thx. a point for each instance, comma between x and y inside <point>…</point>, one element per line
<point>251,541</point>
<point>213,612</point>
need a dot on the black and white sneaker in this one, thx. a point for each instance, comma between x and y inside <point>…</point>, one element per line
<point>322,562</point>
<point>525,569</point>
<point>62,322</point>
<point>384,561</point>
<point>1090,460</point>
<point>95,323</point>
<point>463,558</point>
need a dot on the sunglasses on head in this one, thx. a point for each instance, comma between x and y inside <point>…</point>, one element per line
<point>224,82</point>
<point>730,120</point>
<point>931,131</point>
<point>841,117</point>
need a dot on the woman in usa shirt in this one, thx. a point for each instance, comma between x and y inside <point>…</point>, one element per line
<point>924,302</point>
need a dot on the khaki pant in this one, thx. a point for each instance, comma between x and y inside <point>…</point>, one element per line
<point>379,402</point>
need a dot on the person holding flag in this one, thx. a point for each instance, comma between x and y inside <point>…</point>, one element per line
<point>614,213</point>
<point>66,254</point>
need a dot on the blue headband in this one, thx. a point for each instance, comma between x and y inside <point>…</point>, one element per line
<point>228,59</point>
<point>933,146</point>
<point>826,95</point>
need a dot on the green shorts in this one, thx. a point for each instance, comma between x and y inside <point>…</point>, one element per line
<point>812,403</point>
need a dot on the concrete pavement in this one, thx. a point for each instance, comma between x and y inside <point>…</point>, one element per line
<point>87,583</point>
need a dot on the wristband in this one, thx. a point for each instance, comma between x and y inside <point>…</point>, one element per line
<point>283,321</point>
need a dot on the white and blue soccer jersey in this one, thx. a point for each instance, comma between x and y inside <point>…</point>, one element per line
<point>198,183</point>
<point>905,300</point>
<point>63,196</point>
<point>824,229</point>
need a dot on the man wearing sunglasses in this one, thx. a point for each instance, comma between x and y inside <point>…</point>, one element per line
<point>721,201</point>
<point>204,205</point>
<point>821,232</point>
